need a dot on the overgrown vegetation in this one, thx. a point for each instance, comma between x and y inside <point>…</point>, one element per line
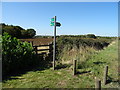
<point>63,78</point>
<point>85,42</point>
<point>87,36</point>
<point>16,55</point>
<point>71,48</point>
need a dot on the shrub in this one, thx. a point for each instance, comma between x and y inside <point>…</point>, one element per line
<point>16,55</point>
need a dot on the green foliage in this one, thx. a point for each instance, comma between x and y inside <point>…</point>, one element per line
<point>88,36</point>
<point>91,36</point>
<point>16,55</point>
<point>17,31</point>
<point>31,32</point>
<point>24,33</point>
<point>12,30</point>
<point>78,42</point>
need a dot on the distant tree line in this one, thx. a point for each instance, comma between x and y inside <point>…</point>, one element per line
<point>88,36</point>
<point>42,36</point>
<point>81,36</point>
<point>17,31</point>
<point>77,36</point>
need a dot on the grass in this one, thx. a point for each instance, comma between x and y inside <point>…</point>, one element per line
<point>63,78</point>
<point>108,56</point>
<point>46,79</point>
<point>81,54</point>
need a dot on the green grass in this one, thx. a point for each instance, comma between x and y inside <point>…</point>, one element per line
<point>108,56</point>
<point>63,78</point>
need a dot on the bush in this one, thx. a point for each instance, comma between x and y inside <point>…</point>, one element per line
<point>16,55</point>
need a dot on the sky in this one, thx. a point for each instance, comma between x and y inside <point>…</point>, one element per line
<point>76,18</point>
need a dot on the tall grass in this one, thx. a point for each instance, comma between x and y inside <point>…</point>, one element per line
<point>82,54</point>
<point>81,49</point>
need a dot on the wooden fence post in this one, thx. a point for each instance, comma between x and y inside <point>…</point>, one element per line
<point>74,66</point>
<point>105,75</point>
<point>50,47</point>
<point>32,43</point>
<point>36,50</point>
<point>97,84</point>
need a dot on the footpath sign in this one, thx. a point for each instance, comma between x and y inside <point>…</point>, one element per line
<point>54,23</point>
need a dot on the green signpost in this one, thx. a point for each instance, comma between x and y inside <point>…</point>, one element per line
<point>52,19</point>
<point>57,24</point>
<point>54,23</point>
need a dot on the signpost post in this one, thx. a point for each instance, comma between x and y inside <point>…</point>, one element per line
<point>54,23</point>
<point>54,54</point>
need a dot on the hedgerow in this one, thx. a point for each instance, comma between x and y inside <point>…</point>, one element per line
<point>96,43</point>
<point>71,42</point>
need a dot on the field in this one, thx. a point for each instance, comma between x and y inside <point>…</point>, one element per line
<point>39,41</point>
<point>62,77</point>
